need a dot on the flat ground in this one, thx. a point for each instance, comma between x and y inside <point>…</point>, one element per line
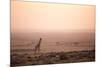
<point>52,58</point>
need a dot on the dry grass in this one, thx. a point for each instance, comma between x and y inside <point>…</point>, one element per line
<point>52,58</point>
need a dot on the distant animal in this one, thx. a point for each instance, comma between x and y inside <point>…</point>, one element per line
<point>37,47</point>
<point>57,43</point>
<point>76,43</point>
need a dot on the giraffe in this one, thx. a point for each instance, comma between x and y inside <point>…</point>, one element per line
<point>37,47</point>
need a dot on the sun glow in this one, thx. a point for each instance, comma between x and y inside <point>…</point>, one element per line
<point>45,17</point>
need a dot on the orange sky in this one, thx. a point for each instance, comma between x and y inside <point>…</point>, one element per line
<point>50,17</point>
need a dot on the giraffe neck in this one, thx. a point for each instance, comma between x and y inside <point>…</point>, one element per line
<point>39,42</point>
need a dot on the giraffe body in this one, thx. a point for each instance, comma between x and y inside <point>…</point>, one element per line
<point>37,47</point>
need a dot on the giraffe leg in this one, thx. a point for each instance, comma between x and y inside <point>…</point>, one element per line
<point>39,49</point>
<point>35,50</point>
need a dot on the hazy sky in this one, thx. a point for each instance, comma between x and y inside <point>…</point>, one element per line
<point>50,17</point>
